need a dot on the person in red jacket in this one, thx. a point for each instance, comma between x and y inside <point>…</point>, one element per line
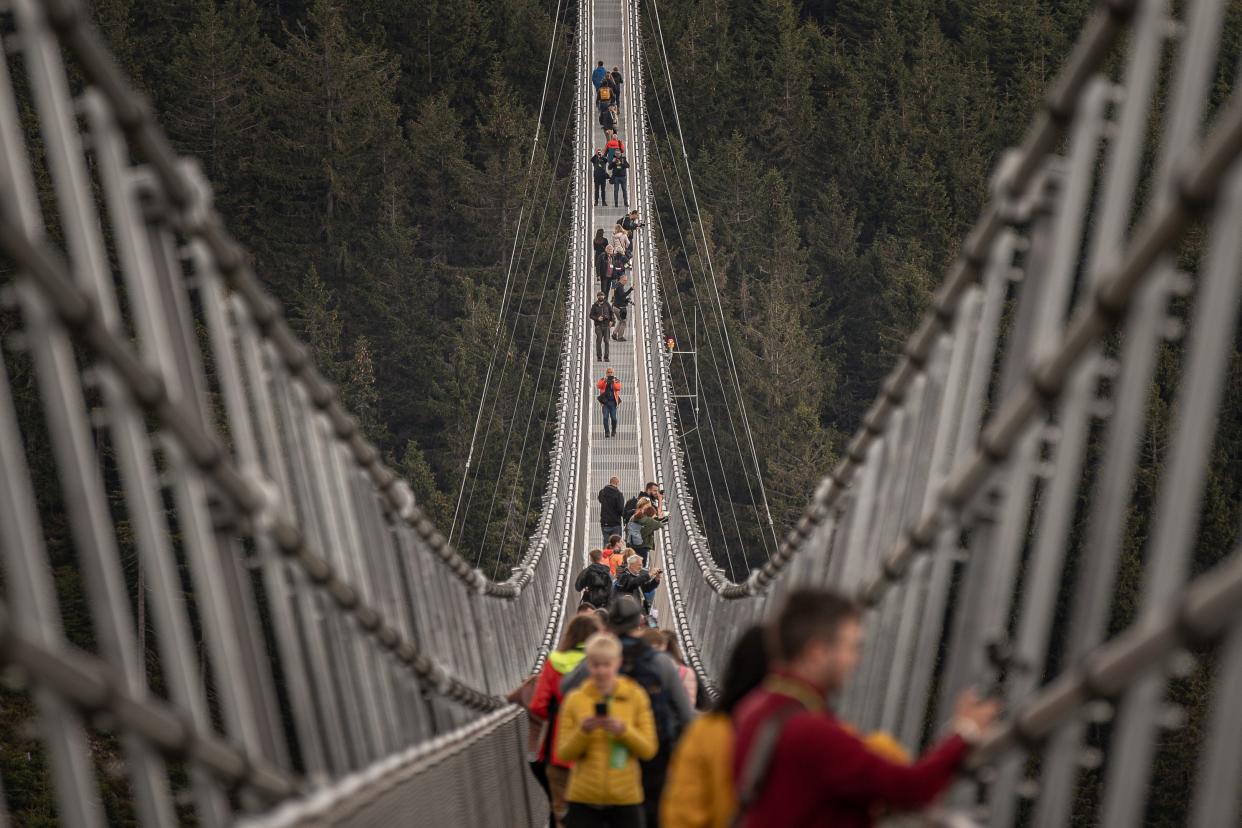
<point>796,765</point>
<point>546,702</point>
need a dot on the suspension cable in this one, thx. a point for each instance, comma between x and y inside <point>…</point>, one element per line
<point>543,295</point>
<point>513,331</point>
<point>654,5</point>
<point>724,343</point>
<point>711,428</point>
<point>529,417</point>
<point>534,146</point>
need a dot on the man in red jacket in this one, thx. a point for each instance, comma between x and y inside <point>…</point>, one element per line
<point>795,764</point>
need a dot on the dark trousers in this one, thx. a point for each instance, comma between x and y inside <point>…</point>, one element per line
<point>540,771</point>
<point>618,185</point>
<point>599,816</point>
<point>642,552</point>
<point>601,340</point>
<point>601,191</point>
<point>610,415</point>
<point>653,785</point>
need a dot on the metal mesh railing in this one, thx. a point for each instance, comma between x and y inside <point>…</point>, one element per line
<point>1025,503</point>
<point>473,776</point>
<point>164,433</point>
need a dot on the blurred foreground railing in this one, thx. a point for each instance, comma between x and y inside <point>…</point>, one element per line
<point>1052,459</point>
<point>164,434</point>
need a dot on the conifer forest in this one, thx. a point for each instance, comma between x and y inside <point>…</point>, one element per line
<point>375,156</point>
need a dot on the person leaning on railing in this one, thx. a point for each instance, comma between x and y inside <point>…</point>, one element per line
<point>796,764</point>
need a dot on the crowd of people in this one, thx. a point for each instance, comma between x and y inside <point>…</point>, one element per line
<point>609,164</point>
<point>617,741</point>
<point>615,738</point>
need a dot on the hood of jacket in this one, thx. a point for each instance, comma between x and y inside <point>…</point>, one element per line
<point>564,661</point>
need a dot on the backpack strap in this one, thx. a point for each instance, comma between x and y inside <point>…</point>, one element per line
<point>759,761</point>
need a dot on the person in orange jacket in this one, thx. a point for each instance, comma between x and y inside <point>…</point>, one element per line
<point>614,554</point>
<point>609,397</point>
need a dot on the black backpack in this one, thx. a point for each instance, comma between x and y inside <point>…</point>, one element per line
<point>638,661</point>
<point>598,589</point>
<point>608,391</point>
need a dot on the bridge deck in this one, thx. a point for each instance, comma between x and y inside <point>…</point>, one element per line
<point>627,455</point>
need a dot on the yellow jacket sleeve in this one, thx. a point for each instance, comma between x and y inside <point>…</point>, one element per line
<point>640,733</point>
<point>571,739</point>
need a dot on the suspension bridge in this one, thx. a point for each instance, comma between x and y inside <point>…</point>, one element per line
<point>331,658</point>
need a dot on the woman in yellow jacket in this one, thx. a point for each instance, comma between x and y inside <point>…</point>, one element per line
<point>605,728</point>
<point>699,791</point>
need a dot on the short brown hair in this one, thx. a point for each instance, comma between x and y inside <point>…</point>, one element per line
<point>808,614</point>
<point>596,555</point>
<point>671,645</point>
<point>654,638</point>
<point>578,630</point>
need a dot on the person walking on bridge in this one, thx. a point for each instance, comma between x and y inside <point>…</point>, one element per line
<point>621,241</point>
<point>613,146</point>
<point>611,504</point>
<point>598,75</point>
<point>619,166</point>
<point>604,318</point>
<point>606,729</point>
<point>617,80</point>
<point>608,118</point>
<point>599,168</point>
<point>609,397</point>
<point>603,267</point>
<point>699,792</point>
<point>621,301</point>
<point>606,95</point>
<point>646,525</point>
<point>656,673</point>
<point>595,582</point>
<point>546,704</point>
<point>796,764</point>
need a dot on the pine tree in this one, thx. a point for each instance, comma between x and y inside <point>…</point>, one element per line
<point>360,392</point>
<point>213,109</point>
<point>334,147</point>
<point>415,469</point>
<point>314,318</point>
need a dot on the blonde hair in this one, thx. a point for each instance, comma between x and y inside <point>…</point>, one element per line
<point>603,646</point>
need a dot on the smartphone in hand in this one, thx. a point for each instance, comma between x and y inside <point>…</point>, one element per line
<point>601,709</point>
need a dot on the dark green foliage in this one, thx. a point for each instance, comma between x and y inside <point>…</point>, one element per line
<point>374,158</point>
<point>841,150</point>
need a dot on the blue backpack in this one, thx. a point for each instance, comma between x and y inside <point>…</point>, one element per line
<point>634,534</point>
